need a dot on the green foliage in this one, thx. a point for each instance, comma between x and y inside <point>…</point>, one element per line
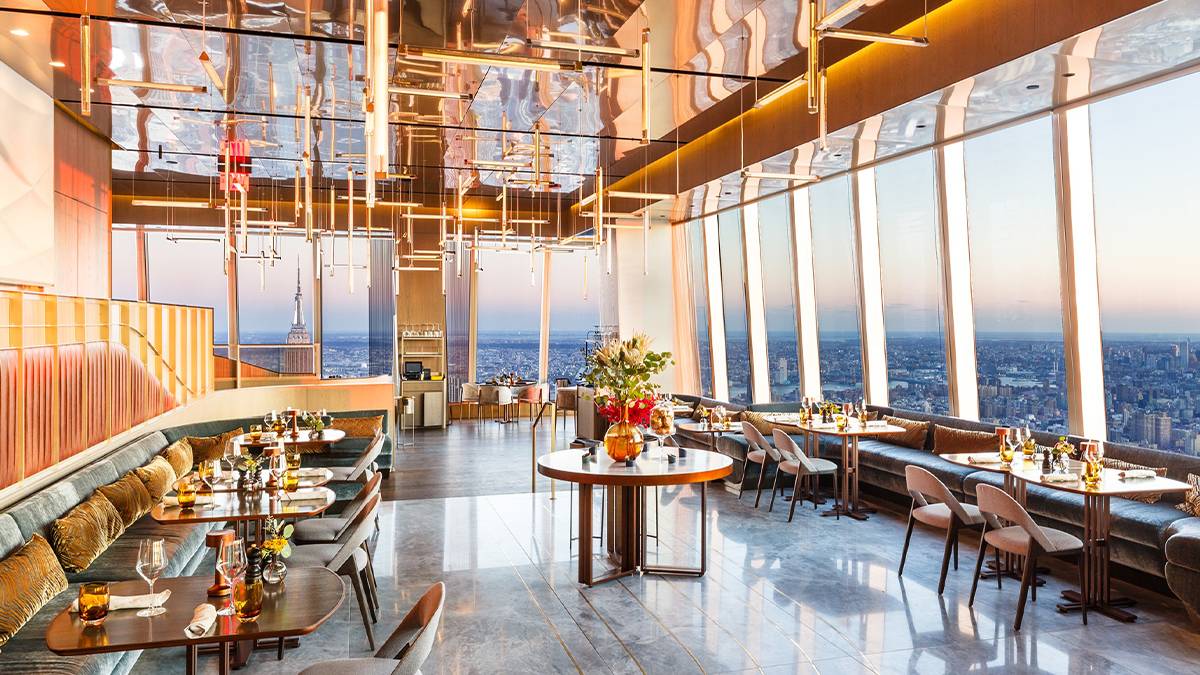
<point>621,371</point>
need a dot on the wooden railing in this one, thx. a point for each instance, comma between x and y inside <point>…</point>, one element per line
<point>75,371</point>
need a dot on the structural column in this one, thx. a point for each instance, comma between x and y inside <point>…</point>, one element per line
<point>961,368</point>
<point>806,295</point>
<point>716,308</point>
<point>760,385</point>
<point>870,286</point>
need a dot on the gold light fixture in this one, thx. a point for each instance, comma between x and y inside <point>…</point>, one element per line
<point>775,175</point>
<point>584,47</point>
<point>498,163</point>
<point>213,75</point>
<point>158,86</point>
<point>872,36</point>
<point>439,55</point>
<point>645,86</point>
<point>429,93</point>
<point>780,91</point>
<point>85,55</point>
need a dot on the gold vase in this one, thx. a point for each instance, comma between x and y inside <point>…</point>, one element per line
<point>623,440</point>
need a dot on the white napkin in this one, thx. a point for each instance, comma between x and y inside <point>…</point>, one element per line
<point>314,471</point>
<point>1138,473</point>
<point>302,495</point>
<point>983,459</point>
<point>1060,478</point>
<point>201,500</point>
<point>202,620</point>
<point>143,601</point>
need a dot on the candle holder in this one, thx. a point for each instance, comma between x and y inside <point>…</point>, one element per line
<point>215,540</point>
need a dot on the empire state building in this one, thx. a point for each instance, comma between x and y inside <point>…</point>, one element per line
<point>298,360</point>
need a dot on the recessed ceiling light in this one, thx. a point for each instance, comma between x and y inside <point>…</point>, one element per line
<point>57,64</point>
<point>19,32</point>
<point>1031,87</point>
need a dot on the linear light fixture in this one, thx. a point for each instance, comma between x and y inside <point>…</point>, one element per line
<point>380,202</point>
<point>615,216</point>
<point>778,92</point>
<point>840,12</point>
<point>85,55</point>
<point>438,55</point>
<point>431,93</point>
<point>172,203</point>
<point>498,163</point>
<point>648,196</point>
<point>160,86</point>
<point>872,36</point>
<point>776,175</point>
<point>618,226</point>
<point>268,223</point>
<point>581,47</point>
<point>425,216</point>
<point>645,86</point>
<point>213,75</point>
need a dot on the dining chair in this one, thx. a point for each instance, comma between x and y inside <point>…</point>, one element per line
<point>1024,538</point>
<point>760,452</point>
<point>405,651</point>
<point>362,463</point>
<point>329,529</point>
<point>535,396</point>
<point>470,397</point>
<point>348,558</point>
<point>500,396</point>
<point>803,468</point>
<point>933,504</point>
<point>565,396</point>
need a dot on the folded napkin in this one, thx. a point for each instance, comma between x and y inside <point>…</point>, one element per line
<point>202,621</point>
<point>876,423</point>
<point>302,495</point>
<point>311,471</point>
<point>983,459</point>
<point>143,601</point>
<point>1060,478</point>
<point>201,500</point>
<point>1138,474</point>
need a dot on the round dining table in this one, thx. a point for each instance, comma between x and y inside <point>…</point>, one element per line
<point>625,484</point>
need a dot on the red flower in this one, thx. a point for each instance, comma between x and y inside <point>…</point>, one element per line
<point>639,411</point>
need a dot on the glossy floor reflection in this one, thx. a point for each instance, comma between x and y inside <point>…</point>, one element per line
<point>815,595</point>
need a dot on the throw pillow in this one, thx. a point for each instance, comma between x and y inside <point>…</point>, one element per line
<point>211,447</point>
<point>948,440</point>
<point>129,496</point>
<point>1121,465</point>
<point>759,422</point>
<point>914,436</point>
<point>157,475</point>
<point>179,454</point>
<point>85,532</point>
<point>1191,501</point>
<point>29,578</point>
<point>359,427</point>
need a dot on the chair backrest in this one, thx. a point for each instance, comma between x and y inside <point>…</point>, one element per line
<point>792,452</point>
<point>924,486</point>
<point>369,488</point>
<point>562,382</point>
<point>755,438</point>
<point>470,392</point>
<point>504,395</point>
<point>533,394</point>
<point>359,529</point>
<point>369,455</point>
<point>996,503</point>
<point>412,641</point>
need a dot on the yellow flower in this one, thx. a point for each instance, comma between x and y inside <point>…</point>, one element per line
<point>275,545</point>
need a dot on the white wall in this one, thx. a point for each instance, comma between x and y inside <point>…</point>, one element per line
<point>646,301</point>
<point>26,182</point>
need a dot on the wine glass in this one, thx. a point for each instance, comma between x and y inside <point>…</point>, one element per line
<point>278,464</point>
<point>212,473</point>
<point>151,563</point>
<point>231,563</point>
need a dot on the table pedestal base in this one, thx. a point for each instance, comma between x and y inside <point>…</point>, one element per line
<point>1111,609</point>
<point>1011,570</point>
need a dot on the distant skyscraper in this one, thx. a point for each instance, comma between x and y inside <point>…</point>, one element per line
<point>298,360</point>
<point>781,369</point>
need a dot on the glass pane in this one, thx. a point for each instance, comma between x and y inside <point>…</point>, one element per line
<point>358,324</point>
<point>509,315</point>
<point>124,265</point>
<point>574,312</point>
<point>733,294</point>
<point>837,296</point>
<point>275,305</point>
<point>189,271</point>
<point>779,283</point>
<point>908,250</point>
<point>1012,216</point>
<point>458,325</point>
<point>699,282</point>
<point>1146,242</point>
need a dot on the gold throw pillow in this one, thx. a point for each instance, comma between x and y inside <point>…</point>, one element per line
<point>759,422</point>
<point>85,532</point>
<point>359,427</point>
<point>1121,465</point>
<point>948,440</point>
<point>157,475</point>
<point>914,437</point>
<point>1191,501</point>
<point>29,578</point>
<point>210,447</point>
<point>179,454</point>
<point>129,496</point>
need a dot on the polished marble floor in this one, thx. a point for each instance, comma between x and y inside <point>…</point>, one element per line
<point>817,595</point>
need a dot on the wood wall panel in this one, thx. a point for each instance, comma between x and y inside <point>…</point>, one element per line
<point>71,435</point>
<point>38,442</point>
<point>10,466</point>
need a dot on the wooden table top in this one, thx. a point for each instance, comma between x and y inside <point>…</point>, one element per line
<point>701,428</point>
<point>233,506</point>
<point>873,428</point>
<point>650,468</point>
<point>310,477</point>
<point>990,461</point>
<point>1030,471</point>
<point>324,437</point>
<point>306,599</point>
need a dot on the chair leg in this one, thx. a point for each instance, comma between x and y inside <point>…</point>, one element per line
<point>796,496</point>
<point>362,609</point>
<point>978,567</point>
<point>907,538</point>
<point>956,553</point>
<point>742,482</point>
<point>1083,590</point>
<point>774,489</point>
<point>951,534</point>
<point>762,470</point>
<point>1026,582</point>
<point>999,576</point>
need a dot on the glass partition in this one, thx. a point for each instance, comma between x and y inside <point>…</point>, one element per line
<point>574,313</point>
<point>698,282</point>
<point>189,270</point>
<point>912,282</point>
<point>779,283</point>
<point>839,343</point>
<point>1012,220</point>
<point>509,314</point>
<point>733,295</point>
<point>275,306</point>
<point>358,321</point>
<point>124,274</point>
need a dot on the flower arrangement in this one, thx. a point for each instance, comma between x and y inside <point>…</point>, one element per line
<point>639,411</point>
<point>621,373</point>
<point>1063,448</point>
<point>276,537</point>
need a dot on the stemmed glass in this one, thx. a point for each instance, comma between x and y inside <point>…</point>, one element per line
<point>278,464</point>
<point>230,456</point>
<point>214,473</point>
<point>151,563</point>
<point>231,563</point>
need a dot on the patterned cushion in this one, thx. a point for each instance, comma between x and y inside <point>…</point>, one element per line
<point>179,454</point>
<point>1191,501</point>
<point>129,496</point>
<point>915,436</point>
<point>359,427</point>
<point>758,422</point>
<point>157,476</point>
<point>29,578</point>
<point>210,447</point>
<point>950,440</point>
<point>1120,465</point>
<point>85,532</point>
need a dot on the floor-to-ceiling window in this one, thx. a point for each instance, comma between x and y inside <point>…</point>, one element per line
<point>574,312</point>
<point>189,270</point>
<point>1144,171</point>
<point>124,267</point>
<point>779,297</point>
<point>733,296</point>
<point>837,296</point>
<point>1013,232</point>
<point>275,304</point>
<point>508,314</point>
<point>698,281</point>
<point>911,277</point>
<point>357,320</point>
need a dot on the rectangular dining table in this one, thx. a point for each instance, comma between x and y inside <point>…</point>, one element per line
<point>849,504</point>
<point>242,508</point>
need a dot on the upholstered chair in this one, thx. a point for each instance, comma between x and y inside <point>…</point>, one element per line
<point>760,452</point>
<point>934,505</point>
<point>470,398</point>
<point>805,469</point>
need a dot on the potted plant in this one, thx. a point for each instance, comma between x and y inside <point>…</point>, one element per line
<point>621,372</point>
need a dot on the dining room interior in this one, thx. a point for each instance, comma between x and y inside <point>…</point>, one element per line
<point>457,336</point>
